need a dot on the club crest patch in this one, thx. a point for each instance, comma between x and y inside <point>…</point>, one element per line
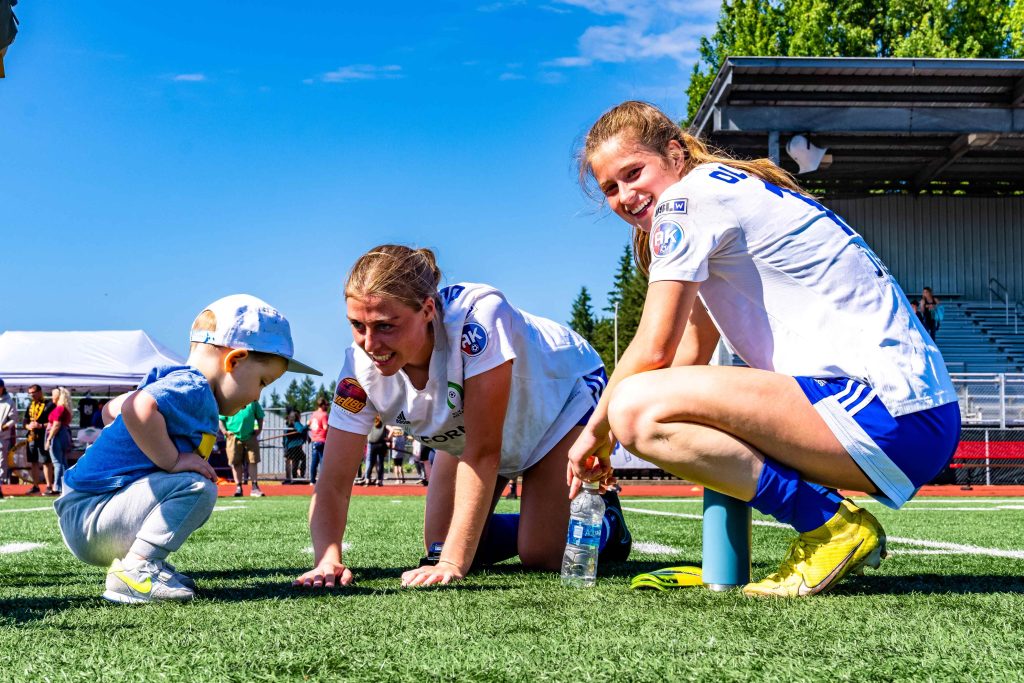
<point>666,238</point>
<point>350,395</point>
<point>454,396</point>
<point>474,339</point>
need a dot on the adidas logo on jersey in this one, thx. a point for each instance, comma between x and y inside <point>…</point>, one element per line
<point>401,419</point>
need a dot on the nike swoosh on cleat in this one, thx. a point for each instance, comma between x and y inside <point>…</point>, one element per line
<point>145,587</point>
<point>805,590</point>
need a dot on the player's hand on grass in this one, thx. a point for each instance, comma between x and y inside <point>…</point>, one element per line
<point>590,460</point>
<point>193,462</point>
<point>327,574</point>
<point>441,574</point>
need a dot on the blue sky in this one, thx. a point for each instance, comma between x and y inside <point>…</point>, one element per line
<point>158,156</point>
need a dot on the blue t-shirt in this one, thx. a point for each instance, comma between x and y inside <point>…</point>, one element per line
<point>186,401</point>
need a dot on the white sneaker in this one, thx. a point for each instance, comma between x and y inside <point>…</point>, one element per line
<point>256,493</point>
<point>169,571</point>
<point>146,582</point>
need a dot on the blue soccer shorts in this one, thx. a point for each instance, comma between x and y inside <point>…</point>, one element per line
<point>898,454</point>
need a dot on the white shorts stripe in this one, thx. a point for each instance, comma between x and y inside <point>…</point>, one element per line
<point>852,398</point>
<point>895,488</point>
<point>863,403</point>
<point>846,390</point>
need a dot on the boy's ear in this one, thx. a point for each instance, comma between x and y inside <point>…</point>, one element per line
<point>232,358</point>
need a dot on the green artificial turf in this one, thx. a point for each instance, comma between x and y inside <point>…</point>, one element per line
<point>922,617</point>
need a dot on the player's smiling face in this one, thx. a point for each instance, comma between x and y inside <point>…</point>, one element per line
<point>632,177</point>
<point>391,333</point>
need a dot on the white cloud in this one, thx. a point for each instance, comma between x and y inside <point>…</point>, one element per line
<point>646,30</point>
<point>509,76</point>
<point>570,62</point>
<point>501,5</point>
<point>189,78</point>
<point>362,72</point>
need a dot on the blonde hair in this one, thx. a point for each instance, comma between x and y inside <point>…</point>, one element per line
<point>398,272</point>
<point>63,398</point>
<point>649,127</point>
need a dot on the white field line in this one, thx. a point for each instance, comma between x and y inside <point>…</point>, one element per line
<point>48,507</point>
<point>345,547</point>
<point>222,508</point>
<point>10,548</point>
<point>654,548</point>
<point>864,499</point>
<point>995,508</point>
<point>959,548</point>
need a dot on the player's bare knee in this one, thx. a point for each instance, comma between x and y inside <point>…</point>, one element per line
<point>627,411</point>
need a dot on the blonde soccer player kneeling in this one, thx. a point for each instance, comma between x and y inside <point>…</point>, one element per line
<point>496,391</point>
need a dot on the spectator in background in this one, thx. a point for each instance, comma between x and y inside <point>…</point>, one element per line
<point>932,311</point>
<point>97,415</point>
<point>58,437</point>
<point>8,418</point>
<point>378,451</point>
<point>294,440</point>
<point>398,441</point>
<point>317,437</point>
<point>419,460</point>
<point>915,305</point>
<point>241,431</point>
<point>87,409</point>
<point>38,457</point>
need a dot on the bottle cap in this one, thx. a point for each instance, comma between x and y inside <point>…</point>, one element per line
<point>592,485</point>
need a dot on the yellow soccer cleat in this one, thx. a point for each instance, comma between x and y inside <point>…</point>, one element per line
<point>667,578</point>
<point>819,559</point>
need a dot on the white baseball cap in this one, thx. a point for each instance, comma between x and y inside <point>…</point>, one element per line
<point>247,322</point>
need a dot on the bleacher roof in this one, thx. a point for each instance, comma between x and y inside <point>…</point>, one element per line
<point>888,124</point>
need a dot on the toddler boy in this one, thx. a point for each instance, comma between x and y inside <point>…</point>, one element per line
<point>146,485</point>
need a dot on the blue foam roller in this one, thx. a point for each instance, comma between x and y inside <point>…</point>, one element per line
<point>726,543</point>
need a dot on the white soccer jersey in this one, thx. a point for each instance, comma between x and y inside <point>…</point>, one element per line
<point>554,382</point>
<point>792,288</point>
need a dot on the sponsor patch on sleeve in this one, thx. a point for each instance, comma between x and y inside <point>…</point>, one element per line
<point>350,395</point>
<point>671,206</point>
<point>474,339</point>
<point>666,238</point>
<point>206,444</point>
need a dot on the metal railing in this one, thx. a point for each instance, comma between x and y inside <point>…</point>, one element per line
<point>993,399</point>
<point>998,291</point>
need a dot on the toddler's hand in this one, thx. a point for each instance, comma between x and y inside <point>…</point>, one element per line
<point>192,462</point>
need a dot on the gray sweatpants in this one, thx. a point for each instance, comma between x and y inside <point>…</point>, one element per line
<point>151,517</point>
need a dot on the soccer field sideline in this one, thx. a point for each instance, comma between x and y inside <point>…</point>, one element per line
<point>921,545</point>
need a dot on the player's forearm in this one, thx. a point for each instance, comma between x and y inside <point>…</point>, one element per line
<point>475,477</point>
<point>149,430</point>
<point>328,517</point>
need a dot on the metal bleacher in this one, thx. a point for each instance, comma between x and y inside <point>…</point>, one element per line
<point>977,336</point>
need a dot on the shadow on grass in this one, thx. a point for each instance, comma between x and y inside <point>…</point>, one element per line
<point>930,584</point>
<point>22,611</point>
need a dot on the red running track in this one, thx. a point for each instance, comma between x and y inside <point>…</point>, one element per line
<point>629,490</point>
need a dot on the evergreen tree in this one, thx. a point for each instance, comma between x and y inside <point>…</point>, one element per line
<point>583,321</point>
<point>275,399</point>
<point>293,395</point>
<point>857,28</point>
<point>629,289</point>
<point>307,390</point>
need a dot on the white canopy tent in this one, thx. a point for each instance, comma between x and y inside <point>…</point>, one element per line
<point>112,360</point>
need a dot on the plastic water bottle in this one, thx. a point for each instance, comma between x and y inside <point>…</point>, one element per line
<point>579,564</point>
